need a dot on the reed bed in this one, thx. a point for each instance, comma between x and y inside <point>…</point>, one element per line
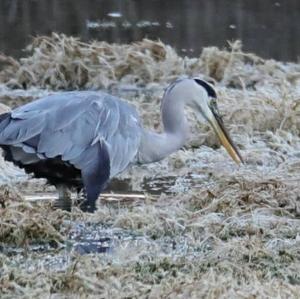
<point>222,232</point>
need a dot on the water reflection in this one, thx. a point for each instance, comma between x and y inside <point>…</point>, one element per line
<point>268,28</point>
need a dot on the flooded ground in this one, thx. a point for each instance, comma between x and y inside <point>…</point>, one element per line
<point>267,28</point>
<point>200,227</point>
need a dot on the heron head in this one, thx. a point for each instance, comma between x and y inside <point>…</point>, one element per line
<point>203,98</point>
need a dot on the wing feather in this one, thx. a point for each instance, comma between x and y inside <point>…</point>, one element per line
<point>68,124</point>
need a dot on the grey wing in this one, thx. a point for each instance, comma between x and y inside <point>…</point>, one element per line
<point>123,145</point>
<point>79,127</point>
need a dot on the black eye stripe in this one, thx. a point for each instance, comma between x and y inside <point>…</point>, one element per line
<point>210,91</point>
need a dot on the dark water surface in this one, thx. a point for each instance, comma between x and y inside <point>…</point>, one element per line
<point>269,28</point>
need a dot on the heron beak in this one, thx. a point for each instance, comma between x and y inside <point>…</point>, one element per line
<point>216,122</point>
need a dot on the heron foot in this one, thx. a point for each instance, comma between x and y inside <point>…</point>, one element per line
<point>84,203</point>
<point>63,204</point>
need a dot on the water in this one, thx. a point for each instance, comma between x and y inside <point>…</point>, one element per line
<point>268,28</point>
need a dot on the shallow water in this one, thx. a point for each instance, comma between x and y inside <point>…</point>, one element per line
<point>267,28</point>
<point>110,244</point>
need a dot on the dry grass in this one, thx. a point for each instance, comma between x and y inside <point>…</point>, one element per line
<point>226,232</point>
<point>61,62</point>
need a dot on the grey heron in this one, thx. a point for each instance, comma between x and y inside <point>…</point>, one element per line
<point>81,139</point>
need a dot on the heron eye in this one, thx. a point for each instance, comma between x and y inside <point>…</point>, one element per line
<point>213,104</point>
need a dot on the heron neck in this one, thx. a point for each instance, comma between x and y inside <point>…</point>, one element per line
<point>155,146</point>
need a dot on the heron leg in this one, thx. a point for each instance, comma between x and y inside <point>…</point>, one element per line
<point>89,202</point>
<point>64,200</point>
